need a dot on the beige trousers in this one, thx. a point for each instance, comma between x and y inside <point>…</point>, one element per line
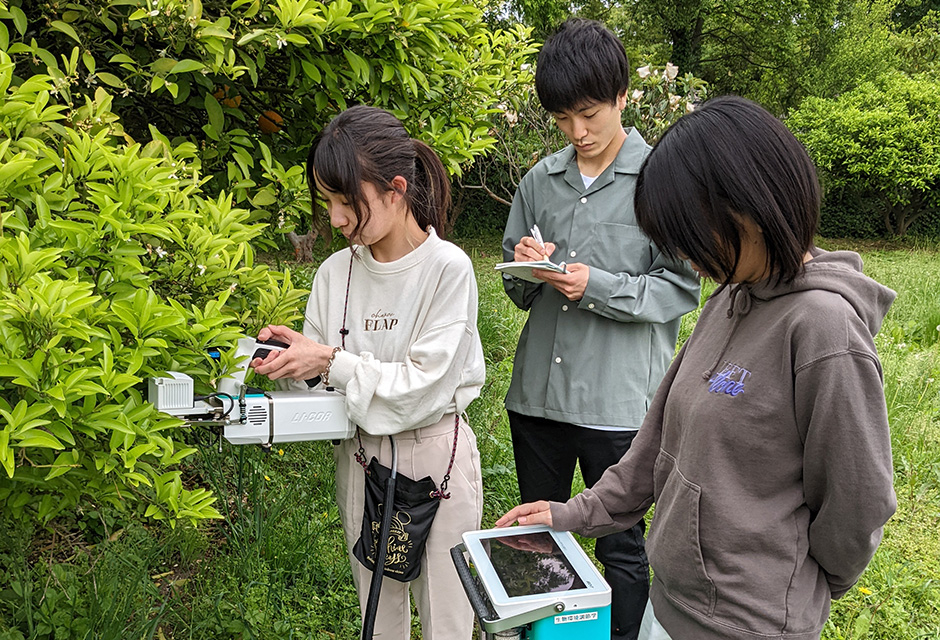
<point>442,604</point>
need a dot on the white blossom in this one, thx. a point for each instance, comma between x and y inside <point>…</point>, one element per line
<point>154,13</point>
<point>281,42</point>
<point>161,252</point>
<point>643,72</point>
<point>671,71</point>
<point>202,268</point>
<point>636,95</point>
<point>689,107</point>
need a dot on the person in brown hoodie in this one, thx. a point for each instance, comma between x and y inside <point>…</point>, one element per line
<point>766,449</point>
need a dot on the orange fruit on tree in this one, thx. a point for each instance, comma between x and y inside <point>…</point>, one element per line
<point>222,94</point>
<point>270,121</point>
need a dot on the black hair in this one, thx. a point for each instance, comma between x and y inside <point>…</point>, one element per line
<point>367,144</point>
<point>730,159</point>
<point>581,62</point>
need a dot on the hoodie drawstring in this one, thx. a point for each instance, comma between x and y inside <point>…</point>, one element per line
<point>744,308</point>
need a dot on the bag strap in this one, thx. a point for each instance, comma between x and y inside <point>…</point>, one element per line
<point>440,494</point>
<point>343,332</point>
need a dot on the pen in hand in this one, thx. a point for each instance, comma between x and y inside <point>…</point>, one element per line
<point>537,236</point>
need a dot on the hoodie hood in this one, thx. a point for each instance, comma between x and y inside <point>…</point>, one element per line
<point>838,272</point>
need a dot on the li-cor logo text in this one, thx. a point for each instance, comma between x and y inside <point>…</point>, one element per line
<point>312,416</point>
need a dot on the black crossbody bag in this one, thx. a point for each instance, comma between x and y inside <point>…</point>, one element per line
<point>415,505</point>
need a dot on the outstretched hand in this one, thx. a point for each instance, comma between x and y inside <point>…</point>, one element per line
<point>529,513</point>
<point>302,360</point>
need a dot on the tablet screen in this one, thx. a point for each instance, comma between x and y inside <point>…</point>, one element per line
<point>530,564</point>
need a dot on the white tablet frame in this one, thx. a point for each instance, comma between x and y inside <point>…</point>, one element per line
<point>595,594</point>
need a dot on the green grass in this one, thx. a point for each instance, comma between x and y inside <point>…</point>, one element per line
<point>277,566</point>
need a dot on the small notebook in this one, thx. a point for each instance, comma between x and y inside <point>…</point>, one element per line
<point>523,270</point>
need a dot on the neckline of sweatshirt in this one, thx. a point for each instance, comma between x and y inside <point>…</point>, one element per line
<point>411,259</point>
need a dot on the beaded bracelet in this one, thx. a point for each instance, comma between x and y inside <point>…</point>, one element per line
<point>329,363</point>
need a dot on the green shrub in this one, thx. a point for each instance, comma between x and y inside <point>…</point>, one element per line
<point>853,216</point>
<point>115,267</point>
<point>877,146</point>
<point>251,83</point>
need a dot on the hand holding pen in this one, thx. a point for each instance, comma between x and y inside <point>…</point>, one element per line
<point>571,282</point>
<point>532,248</point>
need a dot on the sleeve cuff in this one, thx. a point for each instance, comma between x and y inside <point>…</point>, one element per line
<point>838,593</point>
<point>565,515</point>
<point>597,292</point>
<point>343,369</point>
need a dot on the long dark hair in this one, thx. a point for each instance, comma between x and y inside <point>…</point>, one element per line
<point>366,144</point>
<point>728,160</point>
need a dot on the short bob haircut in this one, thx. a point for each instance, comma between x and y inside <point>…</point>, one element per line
<point>728,160</point>
<point>581,62</point>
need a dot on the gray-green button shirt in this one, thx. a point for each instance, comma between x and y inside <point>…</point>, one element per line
<point>597,361</point>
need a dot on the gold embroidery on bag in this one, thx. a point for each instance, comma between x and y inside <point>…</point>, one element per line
<point>399,542</point>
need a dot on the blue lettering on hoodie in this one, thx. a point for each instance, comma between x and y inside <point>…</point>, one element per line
<point>729,380</point>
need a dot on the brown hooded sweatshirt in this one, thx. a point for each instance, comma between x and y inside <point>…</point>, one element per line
<point>768,455</point>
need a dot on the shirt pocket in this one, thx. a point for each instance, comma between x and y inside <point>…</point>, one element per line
<point>620,248</point>
<point>673,544</point>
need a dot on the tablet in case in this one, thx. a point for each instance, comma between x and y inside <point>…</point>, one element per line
<point>535,576</point>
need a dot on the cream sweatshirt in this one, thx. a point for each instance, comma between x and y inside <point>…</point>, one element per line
<point>412,352</point>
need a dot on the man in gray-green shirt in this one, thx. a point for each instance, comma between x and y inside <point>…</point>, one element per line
<point>599,338</point>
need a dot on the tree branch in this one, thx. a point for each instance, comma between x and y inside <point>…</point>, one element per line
<point>488,192</point>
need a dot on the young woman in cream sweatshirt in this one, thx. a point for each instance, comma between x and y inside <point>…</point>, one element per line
<point>391,322</point>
